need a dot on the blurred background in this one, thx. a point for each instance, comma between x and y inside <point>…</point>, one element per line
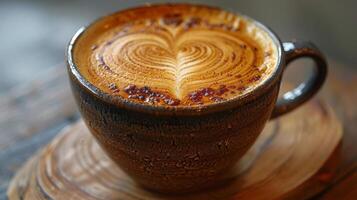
<point>34,33</point>
<point>35,99</point>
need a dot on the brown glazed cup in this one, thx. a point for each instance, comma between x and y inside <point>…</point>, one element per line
<point>182,149</point>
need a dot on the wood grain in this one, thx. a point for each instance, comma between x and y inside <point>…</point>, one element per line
<point>30,116</point>
<point>24,137</point>
<point>340,92</point>
<point>288,152</point>
<point>346,189</point>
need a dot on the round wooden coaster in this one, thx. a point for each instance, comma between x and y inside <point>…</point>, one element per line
<point>290,151</point>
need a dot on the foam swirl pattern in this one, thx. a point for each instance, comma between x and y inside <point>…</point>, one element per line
<point>185,56</point>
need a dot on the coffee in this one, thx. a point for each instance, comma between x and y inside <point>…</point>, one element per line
<point>175,55</point>
<point>177,94</point>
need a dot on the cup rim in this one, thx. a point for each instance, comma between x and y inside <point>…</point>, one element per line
<point>123,103</point>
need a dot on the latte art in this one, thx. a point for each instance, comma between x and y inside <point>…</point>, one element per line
<point>184,58</point>
<point>176,62</point>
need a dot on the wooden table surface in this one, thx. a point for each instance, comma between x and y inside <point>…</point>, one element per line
<point>32,114</point>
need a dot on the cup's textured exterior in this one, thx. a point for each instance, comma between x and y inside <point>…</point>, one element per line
<point>174,153</point>
<point>175,150</point>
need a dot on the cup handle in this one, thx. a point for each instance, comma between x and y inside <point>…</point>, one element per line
<point>294,98</point>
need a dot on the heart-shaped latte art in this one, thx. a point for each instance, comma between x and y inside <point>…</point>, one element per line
<point>177,61</point>
<point>175,55</point>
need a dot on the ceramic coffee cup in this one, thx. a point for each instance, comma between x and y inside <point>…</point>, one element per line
<point>181,149</point>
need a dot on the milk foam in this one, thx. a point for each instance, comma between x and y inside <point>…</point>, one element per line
<point>191,55</point>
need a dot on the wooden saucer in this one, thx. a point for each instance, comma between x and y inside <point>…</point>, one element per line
<point>285,162</point>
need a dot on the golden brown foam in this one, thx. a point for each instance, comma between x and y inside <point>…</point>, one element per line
<point>188,54</point>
